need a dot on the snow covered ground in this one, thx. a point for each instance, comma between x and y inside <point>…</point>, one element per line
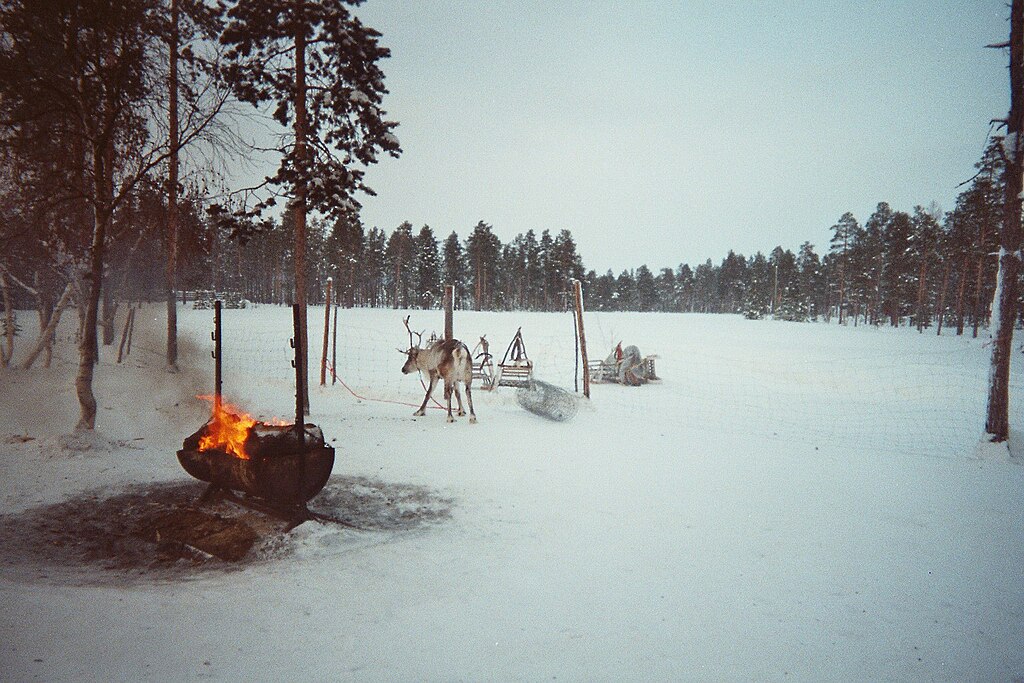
<point>792,501</point>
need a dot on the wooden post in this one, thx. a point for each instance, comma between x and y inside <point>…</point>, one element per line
<point>327,330</point>
<point>576,353</point>
<point>298,345</point>
<point>449,305</point>
<point>578,292</point>
<point>334,347</point>
<point>217,377</point>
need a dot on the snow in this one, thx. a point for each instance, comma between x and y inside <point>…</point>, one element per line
<point>801,501</point>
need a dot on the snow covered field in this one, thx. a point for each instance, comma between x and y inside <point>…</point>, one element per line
<point>792,501</point>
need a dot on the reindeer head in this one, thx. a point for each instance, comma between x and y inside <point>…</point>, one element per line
<point>410,361</point>
<point>413,351</point>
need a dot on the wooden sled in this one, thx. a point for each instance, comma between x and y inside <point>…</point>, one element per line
<point>483,365</point>
<point>515,368</point>
<point>610,369</point>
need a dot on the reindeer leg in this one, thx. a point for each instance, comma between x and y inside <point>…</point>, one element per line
<point>458,397</point>
<point>448,394</point>
<point>469,400</point>
<point>430,388</point>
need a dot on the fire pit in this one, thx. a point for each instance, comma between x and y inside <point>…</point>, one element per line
<point>277,464</point>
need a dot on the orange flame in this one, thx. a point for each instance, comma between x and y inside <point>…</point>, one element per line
<point>228,429</point>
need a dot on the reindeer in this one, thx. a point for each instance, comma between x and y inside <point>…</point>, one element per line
<point>448,359</point>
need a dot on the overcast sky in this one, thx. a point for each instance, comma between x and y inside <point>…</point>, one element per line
<point>669,132</point>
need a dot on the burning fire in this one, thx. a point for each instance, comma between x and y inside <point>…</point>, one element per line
<point>228,429</point>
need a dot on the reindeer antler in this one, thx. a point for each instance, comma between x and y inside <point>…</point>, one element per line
<point>418,334</point>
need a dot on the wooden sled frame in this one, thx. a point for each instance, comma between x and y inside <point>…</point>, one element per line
<point>515,368</point>
<point>601,371</point>
<point>483,370</point>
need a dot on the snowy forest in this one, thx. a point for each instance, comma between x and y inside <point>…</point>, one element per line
<point>921,267</point>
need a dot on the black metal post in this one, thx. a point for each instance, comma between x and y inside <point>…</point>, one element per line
<point>298,345</point>
<point>217,347</point>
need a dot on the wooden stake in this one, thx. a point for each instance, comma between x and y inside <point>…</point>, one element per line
<point>578,292</point>
<point>576,354</point>
<point>327,330</point>
<point>125,335</point>
<point>131,331</point>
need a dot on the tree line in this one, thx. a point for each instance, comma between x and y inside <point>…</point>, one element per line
<point>923,268</point>
<point>920,267</point>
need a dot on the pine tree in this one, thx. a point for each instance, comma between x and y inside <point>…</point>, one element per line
<point>600,292</point>
<point>785,286</point>
<point>427,266</point>
<point>684,287</point>
<point>705,288</point>
<point>812,293</point>
<point>924,253</point>
<point>625,292</point>
<point>868,262</point>
<point>453,268</point>
<point>997,420</point>
<point>898,283</point>
<point>398,257</point>
<point>646,296</point>
<point>758,299</point>
<point>844,234</point>
<point>318,65</point>
<point>374,268</point>
<point>544,256</point>
<point>665,285</point>
<point>564,265</point>
<point>482,251</point>
<point>732,283</point>
<point>533,276</point>
<point>345,250</point>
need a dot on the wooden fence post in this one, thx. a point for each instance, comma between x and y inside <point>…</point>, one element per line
<point>449,305</point>
<point>578,292</point>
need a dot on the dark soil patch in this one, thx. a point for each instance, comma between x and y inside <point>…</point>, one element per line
<point>159,532</point>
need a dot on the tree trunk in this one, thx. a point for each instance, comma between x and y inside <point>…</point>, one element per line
<point>109,313</point>
<point>842,291</point>
<point>45,342</point>
<point>171,229</point>
<point>87,346</point>
<point>978,303</point>
<point>997,423</point>
<point>300,204</point>
<point>942,296</point>
<point>961,290</point>
<point>921,277</point>
<point>7,351</point>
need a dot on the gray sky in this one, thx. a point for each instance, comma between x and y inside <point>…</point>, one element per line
<point>670,132</point>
